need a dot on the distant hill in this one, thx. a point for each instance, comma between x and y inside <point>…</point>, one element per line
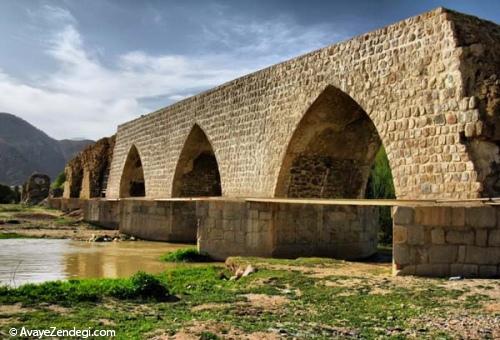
<point>24,149</point>
<point>70,147</point>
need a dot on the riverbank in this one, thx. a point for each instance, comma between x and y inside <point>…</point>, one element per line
<point>38,222</point>
<point>300,298</point>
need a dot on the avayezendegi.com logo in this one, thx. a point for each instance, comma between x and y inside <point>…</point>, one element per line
<point>55,332</point>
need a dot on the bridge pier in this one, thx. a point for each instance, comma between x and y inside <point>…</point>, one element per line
<point>430,238</point>
<point>286,230</point>
<point>446,241</point>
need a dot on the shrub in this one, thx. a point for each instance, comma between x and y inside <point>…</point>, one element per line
<point>7,195</point>
<point>381,185</point>
<point>147,286</point>
<point>185,255</point>
<point>59,181</point>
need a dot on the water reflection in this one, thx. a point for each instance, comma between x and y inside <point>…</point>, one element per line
<point>38,260</point>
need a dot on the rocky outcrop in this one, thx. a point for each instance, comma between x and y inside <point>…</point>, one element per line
<point>87,173</point>
<point>36,189</point>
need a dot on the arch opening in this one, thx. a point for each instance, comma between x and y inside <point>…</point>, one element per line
<point>331,151</point>
<point>132,182</point>
<point>197,172</point>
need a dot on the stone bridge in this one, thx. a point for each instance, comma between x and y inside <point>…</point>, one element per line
<point>427,89</point>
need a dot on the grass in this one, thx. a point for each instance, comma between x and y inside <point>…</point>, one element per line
<point>140,286</point>
<point>4,236</point>
<point>367,306</point>
<point>185,255</point>
<point>7,208</point>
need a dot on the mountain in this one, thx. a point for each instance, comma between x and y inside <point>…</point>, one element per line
<point>24,149</point>
<point>70,147</point>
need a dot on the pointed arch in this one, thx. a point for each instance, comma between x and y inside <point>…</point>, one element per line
<point>132,182</point>
<point>197,171</point>
<point>331,151</point>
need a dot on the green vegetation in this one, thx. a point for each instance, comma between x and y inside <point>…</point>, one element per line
<point>185,255</point>
<point>4,236</point>
<point>140,286</point>
<point>307,305</point>
<point>381,186</point>
<point>9,195</point>
<point>58,183</point>
<point>10,208</point>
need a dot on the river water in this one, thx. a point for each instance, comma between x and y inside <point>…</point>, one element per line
<point>38,260</point>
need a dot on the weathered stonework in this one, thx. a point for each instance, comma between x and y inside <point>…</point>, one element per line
<point>87,173</point>
<point>288,230</point>
<point>428,87</point>
<point>447,241</point>
<point>173,221</point>
<point>104,213</point>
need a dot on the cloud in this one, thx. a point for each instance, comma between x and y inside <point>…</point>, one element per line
<point>84,97</point>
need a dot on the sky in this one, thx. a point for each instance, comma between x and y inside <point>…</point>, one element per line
<point>77,69</point>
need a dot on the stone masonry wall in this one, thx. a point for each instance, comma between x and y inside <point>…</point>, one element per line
<point>288,230</point>
<point>171,221</point>
<point>479,51</point>
<point>104,213</point>
<point>408,77</point>
<point>447,241</point>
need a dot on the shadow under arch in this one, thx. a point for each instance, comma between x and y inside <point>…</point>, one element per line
<point>132,182</point>
<point>197,171</point>
<point>331,151</point>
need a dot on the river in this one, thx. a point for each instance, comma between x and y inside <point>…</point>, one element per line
<point>37,260</point>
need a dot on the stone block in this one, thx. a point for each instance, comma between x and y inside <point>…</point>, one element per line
<point>488,271</point>
<point>401,254</point>
<point>416,235</point>
<point>403,215</point>
<point>470,270</point>
<point>481,217</point>
<point>437,236</point>
<point>433,216</point>
<point>265,215</point>
<point>254,214</point>
<point>433,270</point>
<point>443,254</point>
<point>459,237</point>
<point>419,255</point>
<point>483,255</point>
<point>462,253</point>
<point>457,216</point>
<point>404,270</point>
<point>456,269</point>
<point>229,236</point>
<point>494,238</point>
<point>399,234</point>
<point>481,237</point>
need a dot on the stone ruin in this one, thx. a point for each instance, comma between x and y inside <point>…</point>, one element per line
<point>87,173</point>
<point>35,189</point>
